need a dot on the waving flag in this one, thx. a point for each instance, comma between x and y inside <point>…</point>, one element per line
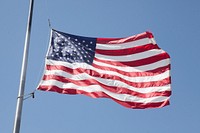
<point>132,71</point>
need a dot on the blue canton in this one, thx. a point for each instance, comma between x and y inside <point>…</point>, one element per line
<point>71,48</point>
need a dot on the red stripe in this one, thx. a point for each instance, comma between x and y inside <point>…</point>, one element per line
<point>109,76</point>
<point>124,40</point>
<point>135,105</point>
<point>127,51</point>
<point>162,82</point>
<point>135,74</point>
<point>97,74</point>
<point>115,89</point>
<point>160,69</point>
<point>121,90</point>
<point>136,63</point>
<point>103,95</point>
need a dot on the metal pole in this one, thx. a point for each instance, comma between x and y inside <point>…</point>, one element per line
<point>17,121</point>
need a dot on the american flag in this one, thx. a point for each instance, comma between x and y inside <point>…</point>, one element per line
<point>132,71</point>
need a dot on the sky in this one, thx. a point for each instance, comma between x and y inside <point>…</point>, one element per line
<point>176,28</point>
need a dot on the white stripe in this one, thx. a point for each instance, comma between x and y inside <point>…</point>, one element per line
<point>143,68</point>
<point>109,82</point>
<point>138,79</point>
<point>125,45</point>
<point>83,76</point>
<point>131,57</point>
<point>96,88</point>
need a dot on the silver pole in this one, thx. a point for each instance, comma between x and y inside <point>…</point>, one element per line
<point>18,113</point>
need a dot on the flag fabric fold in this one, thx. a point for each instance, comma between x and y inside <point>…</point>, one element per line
<point>132,71</point>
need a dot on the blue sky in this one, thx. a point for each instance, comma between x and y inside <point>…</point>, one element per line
<point>176,27</point>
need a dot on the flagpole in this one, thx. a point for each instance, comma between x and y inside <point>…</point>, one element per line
<point>20,97</point>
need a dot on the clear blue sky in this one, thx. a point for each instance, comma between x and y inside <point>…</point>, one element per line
<point>176,27</point>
